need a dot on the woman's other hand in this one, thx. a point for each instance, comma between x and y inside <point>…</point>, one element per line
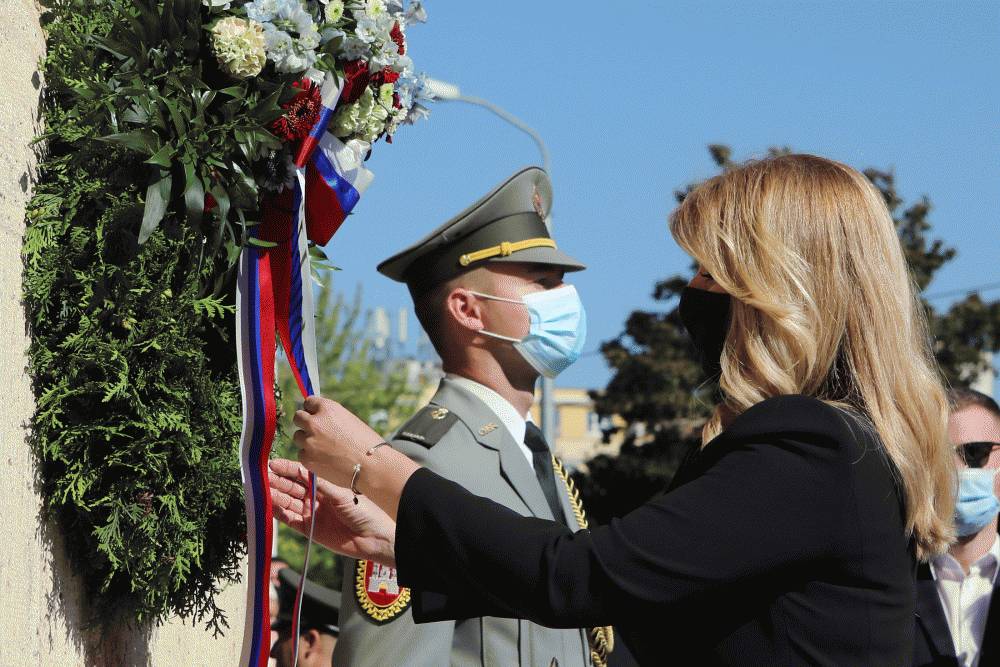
<point>359,530</point>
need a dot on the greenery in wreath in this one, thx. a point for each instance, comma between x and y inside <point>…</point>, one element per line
<point>166,121</point>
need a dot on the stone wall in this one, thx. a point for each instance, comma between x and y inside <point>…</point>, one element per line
<point>44,614</point>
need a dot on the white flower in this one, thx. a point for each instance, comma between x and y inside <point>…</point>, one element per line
<point>334,11</point>
<point>374,7</point>
<point>279,43</point>
<point>417,112</point>
<point>385,54</point>
<point>217,4</point>
<point>261,10</point>
<point>368,30</point>
<point>309,40</point>
<point>397,118</point>
<point>385,92</point>
<point>345,120</point>
<point>415,13</point>
<point>364,118</point>
<point>354,49</point>
<point>238,45</point>
<point>329,34</point>
<point>402,64</point>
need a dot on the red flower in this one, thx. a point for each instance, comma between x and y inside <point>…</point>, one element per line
<point>356,79</point>
<point>397,36</point>
<point>301,113</point>
<point>210,202</point>
<point>389,75</point>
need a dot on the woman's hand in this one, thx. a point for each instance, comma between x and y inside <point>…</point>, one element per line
<point>331,439</point>
<point>361,530</point>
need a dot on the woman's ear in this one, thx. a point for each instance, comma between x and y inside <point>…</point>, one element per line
<point>465,308</point>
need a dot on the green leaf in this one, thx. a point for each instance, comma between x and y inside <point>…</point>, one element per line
<point>253,240</point>
<point>120,50</point>
<point>268,109</point>
<point>222,213</point>
<point>180,126</point>
<point>162,156</point>
<point>157,198</point>
<point>239,91</point>
<point>194,194</point>
<point>142,141</point>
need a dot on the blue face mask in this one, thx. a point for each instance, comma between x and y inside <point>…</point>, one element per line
<point>977,503</point>
<point>557,331</point>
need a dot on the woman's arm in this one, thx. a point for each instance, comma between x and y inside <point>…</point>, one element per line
<point>762,507</point>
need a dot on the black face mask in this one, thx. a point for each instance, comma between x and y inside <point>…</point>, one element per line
<point>706,317</point>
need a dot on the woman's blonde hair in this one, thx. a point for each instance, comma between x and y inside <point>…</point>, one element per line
<point>823,305</point>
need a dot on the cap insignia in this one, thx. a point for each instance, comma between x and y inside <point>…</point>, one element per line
<point>536,201</point>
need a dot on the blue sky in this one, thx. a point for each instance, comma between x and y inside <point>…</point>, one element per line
<point>628,95</point>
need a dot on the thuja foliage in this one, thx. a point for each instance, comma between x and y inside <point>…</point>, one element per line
<point>138,407</point>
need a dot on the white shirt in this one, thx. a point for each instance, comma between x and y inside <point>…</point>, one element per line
<point>966,600</point>
<point>510,418</point>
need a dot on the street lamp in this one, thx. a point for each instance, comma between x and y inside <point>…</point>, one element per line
<point>448,92</point>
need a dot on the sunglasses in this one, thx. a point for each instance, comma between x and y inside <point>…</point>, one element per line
<point>975,454</point>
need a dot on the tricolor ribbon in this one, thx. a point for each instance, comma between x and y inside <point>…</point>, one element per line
<point>274,299</point>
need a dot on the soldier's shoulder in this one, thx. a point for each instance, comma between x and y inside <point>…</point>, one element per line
<point>428,426</point>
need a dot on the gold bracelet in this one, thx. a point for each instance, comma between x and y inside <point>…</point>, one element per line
<point>354,480</point>
<point>372,449</point>
<point>357,471</point>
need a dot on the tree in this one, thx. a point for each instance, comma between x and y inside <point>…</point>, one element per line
<point>658,387</point>
<point>378,392</point>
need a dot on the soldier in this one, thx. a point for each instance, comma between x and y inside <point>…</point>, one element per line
<point>318,624</point>
<point>488,289</point>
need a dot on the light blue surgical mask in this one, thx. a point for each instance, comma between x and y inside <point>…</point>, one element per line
<point>977,503</point>
<point>557,329</point>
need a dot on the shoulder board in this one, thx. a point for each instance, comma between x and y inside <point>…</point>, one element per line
<point>428,426</point>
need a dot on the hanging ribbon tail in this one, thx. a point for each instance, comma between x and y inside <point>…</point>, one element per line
<point>255,354</point>
<point>296,326</point>
<point>274,297</point>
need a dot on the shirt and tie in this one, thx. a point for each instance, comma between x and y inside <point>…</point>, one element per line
<point>966,600</point>
<point>528,436</point>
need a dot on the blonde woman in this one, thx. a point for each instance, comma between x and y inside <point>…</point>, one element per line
<point>791,536</point>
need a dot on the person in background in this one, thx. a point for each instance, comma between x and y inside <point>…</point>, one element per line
<point>272,588</point>
<point>318,623</point>
<point>958,614</point>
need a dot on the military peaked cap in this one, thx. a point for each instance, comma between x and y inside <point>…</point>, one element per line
<point>507,225</point>
<point>320,605</point>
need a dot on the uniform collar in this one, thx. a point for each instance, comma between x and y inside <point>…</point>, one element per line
<point>500,406</point>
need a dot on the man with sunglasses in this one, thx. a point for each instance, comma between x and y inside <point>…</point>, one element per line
<point>958,615</point>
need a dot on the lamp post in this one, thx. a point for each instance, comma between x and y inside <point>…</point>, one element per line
<point>449,92</point>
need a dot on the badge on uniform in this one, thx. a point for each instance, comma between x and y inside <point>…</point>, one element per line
<point>379,594</point>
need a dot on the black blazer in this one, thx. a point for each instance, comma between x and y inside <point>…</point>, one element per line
<point>932,642</point>
<point>782,542</point>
